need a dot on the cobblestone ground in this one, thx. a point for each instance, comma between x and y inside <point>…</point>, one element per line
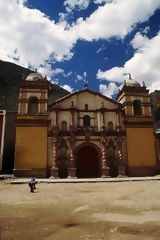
<point>78,211</point>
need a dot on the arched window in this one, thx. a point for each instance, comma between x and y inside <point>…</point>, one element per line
<point>137,108</point>
<point>110,126</point>
<point>33,105</point>
<point>86,121</point>
<point>64,126</point>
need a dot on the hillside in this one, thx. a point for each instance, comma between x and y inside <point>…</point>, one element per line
<point>10,79</point>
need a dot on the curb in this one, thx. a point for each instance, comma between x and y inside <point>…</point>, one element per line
<point>93,180</point>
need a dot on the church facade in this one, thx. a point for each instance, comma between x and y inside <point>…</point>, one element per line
<point>84,134</point>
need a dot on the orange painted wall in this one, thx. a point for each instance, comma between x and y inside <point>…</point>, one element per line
<point>31,147</point>
<point>140,147</point>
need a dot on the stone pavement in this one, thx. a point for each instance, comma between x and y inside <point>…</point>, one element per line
<point>10,179</point>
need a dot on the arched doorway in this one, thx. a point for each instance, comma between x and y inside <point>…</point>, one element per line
<point>87,162</point>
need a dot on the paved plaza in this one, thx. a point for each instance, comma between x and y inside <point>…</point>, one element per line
<point>127,210</point>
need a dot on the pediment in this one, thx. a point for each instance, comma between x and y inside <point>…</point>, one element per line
<point>84,97</point>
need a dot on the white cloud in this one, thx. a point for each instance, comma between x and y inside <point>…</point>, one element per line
<point>108,90</point>
<point>58,71</point>
<point>144,65</point>
<point>70,7</point>
<point>46,70</point>
<point>22,2</point>
<point>146,30</point>
<point>101,1</point>
<point>115,19</point>
<point>139,41</point>
<point>32,36</point>
<point>115,74</point>
<point>29,38</point>
<point>68,88</point>
<point>76,4</point>
<point>101,49</point>
<point>81,77</point>
<point>67,74</point>
<point>50,72</point>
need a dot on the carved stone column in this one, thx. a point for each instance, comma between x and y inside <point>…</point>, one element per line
<point>105,168</point>
<point>121,167</point>
<point>71,167</point>
<point>54,168</point>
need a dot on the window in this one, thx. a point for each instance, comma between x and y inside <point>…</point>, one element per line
<point>33,105</point>
<point>86,121</point>
<point>64,126</point>
<point>110,126</point>
<point>86,107</point>
<point>137,108</point>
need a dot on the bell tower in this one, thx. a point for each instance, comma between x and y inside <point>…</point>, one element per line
<point>139,128</point>
<point>31,127</point>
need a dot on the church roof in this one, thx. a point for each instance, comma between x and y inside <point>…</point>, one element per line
<point>83,91</point>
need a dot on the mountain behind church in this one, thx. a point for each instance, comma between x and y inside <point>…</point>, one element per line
<point>10,80</point>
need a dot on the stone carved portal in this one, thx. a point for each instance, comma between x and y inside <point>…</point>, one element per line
<point>112,159</point>
<point>62,162</point>
<point>87,162</point>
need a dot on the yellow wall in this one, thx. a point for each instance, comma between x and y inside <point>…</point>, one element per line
<point>31,147</point>
<point>140,147</point>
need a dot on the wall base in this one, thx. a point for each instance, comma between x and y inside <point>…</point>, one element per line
<point>141,171</point>
<point>37,172</point>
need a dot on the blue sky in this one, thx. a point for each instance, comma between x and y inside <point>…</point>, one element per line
<point>79,41</point>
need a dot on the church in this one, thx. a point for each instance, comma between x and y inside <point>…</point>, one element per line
<point>84,134</point>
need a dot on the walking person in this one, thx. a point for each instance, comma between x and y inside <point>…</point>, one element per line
<point>32,183</point>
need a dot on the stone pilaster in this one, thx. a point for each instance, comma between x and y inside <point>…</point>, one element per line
<point>104,167</point>
<point>121,167</point>
<point>54,168</point>
<point>49,156</point>
<point>71,167</point>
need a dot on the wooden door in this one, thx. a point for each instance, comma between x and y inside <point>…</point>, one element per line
<point>87,163</point>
